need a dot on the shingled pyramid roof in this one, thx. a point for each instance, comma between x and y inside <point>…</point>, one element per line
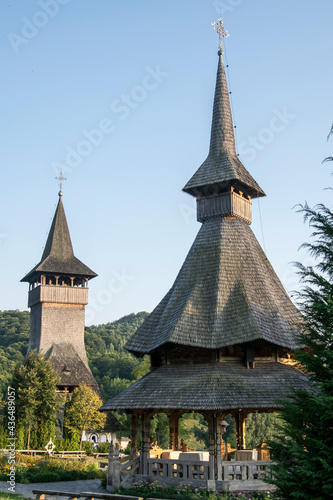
<point>222,166</point>
<point>69,365</point>
<point>58,256</point>
<point>207,386</point>
<point>226,293</point>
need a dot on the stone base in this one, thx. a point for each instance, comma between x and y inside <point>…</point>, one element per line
<point>210,484</point>
<point>248,485</point>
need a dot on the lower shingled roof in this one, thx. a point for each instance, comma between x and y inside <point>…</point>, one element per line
<point>219,386</point>
<point>70,367</point>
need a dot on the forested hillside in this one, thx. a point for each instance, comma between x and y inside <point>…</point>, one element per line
<point>14,339</point>
<point>113,367</point>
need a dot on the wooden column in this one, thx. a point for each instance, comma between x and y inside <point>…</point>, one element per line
<point>210,420</point>
<point>242,430</point>
<point>145,442</point>
<point>134,434</point>
<point>173,431</point>
<point>240,417</point>
<point>218,465</point>
<point>236,418</point>
<point>176,441</point>
<point>113,473</point>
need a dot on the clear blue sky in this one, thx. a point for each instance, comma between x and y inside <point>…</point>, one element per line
<point>144,73</point>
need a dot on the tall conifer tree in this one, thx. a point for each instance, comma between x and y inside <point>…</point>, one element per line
<point>304,454</point>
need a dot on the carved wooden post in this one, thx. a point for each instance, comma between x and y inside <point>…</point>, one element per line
<point>236,417</point>
<point>113,473</point>
<point>218,420</point>
<point>173,431</point>
<point>240,417</point>
<point>110,468</point>
<point>145,443</point>
<point>116,468</point>
<point>176,442</point>
<point>242,430</point>
<point>134,435</point>
<point>210,420</point>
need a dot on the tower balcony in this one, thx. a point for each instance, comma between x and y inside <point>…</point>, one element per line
<point>226,204</point>
<point>58,295</point>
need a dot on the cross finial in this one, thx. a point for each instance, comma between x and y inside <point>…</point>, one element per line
<point>61,178</point>
<point>222,33</point>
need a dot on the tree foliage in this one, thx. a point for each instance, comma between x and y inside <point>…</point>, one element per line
<point>107,357</point>
<point>113,367</point>
<point>81,413</point>
<point>36,401</point>
<point>260,427</point>
<point>14,339</point>
<point>304,452</point>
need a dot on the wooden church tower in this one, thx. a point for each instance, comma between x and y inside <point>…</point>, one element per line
<point>220,340</point>
<point>58,294</point>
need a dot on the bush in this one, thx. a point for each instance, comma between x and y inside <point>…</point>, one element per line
<point>103,448</point>
<point>67,444</point>
<point>188,492</point>
<point>37,470</point>
<point>88,447</point>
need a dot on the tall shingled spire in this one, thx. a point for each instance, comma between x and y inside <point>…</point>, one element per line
<point>222,167</point>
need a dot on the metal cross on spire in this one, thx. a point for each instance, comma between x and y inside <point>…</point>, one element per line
<point>61,178</point>
<point>221,31</point>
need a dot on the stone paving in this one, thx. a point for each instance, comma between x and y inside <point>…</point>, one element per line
<point>25,490</point>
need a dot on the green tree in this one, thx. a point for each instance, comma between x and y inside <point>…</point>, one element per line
<point>36,403</point>
<point>81,413</point>
<point>260,427</point>
<point>14,339</point>
<point>159,430</point>
<point>304,452</point>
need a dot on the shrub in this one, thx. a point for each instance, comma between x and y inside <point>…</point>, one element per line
<point>36,470</point>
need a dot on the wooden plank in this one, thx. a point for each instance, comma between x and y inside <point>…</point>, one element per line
<point>40,494</point>
<point>129,463</point>
<point>108,496</point>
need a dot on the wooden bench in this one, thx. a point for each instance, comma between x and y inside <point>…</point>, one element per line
<point>70,454</point>
<point>40,494</point>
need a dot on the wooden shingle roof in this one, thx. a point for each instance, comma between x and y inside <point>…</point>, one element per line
<point>226,293</point>
<point>222,166</point>
<point>70,367</point>
<point>58,256</point>
<point>218,386</point>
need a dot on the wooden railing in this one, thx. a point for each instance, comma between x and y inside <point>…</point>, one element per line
<point>178,469</point>
<point>245,471</point>
<point>121,471</point>
<point>166,469</point>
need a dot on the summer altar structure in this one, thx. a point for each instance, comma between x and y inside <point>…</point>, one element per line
<point>58,294</point>
<point>220,340</point>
